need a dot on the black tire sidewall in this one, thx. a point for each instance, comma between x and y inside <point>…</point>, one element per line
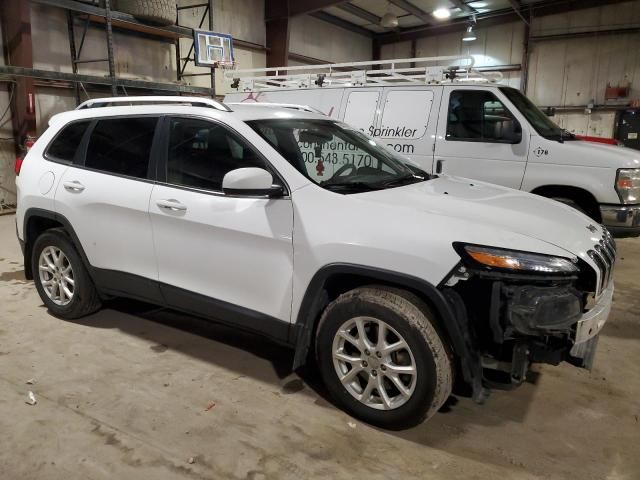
<point>406,415</point>
<point>81,277</point>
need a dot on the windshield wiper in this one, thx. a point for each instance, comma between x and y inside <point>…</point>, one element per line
<point>404,180</point>
<point>355,186</point>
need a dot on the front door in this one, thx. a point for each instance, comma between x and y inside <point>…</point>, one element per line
<point>228,257</point>
<point>480,137</point>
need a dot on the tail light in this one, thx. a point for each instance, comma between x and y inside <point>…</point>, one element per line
<point>18,165</point>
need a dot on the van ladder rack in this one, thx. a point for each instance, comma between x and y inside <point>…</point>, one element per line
<point>402,71</point>
<point>153,100</point>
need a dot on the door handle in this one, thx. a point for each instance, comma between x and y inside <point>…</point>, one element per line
<point>439,164</point>
<point>74,186</point>
<point>171,204</point>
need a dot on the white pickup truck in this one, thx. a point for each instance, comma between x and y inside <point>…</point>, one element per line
<point>459,122</point>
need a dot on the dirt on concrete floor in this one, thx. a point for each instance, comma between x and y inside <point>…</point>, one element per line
<point>138,392</point>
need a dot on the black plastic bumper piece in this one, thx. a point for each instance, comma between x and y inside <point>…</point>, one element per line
<point>534,310</point>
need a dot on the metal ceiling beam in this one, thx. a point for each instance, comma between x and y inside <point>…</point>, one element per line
<point>274,9</point>
<point>360,13</point>
<point>515,4</point>
<point>413,10</point>
<point>339,22</point>
<point>492,18</point>
<point>464,7</point>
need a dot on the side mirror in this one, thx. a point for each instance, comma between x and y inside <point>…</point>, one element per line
<point>254,182</point>
<point>509,131</point>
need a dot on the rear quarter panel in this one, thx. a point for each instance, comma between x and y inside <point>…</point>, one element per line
<point>38,180</point>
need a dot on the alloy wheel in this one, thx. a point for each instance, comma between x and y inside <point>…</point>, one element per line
<point>374,363</point>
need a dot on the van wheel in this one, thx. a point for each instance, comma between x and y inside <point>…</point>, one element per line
<point>572,203</point>
<point>381,358</point>
<point>61,278</point>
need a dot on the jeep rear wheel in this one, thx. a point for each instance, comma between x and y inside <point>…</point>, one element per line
<point>381,357</point>
<point>61,278</point>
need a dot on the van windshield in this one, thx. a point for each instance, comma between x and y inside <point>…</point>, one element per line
<point>541,122</point>
<point>336,156</point>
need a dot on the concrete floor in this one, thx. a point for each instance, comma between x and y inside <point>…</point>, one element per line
<point>124,394</point>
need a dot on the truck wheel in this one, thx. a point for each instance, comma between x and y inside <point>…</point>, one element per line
<point>61,278</point>
<point>162,12</point>
<point>381,358</point>
<point>572,203</point>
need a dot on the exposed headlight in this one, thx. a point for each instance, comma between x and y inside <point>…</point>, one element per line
<point>628,185</point>
<point>513,260</point>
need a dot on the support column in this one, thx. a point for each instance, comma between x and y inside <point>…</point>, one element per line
<point>376,48</point>
<point>277,32</point>
<point>16,29</point>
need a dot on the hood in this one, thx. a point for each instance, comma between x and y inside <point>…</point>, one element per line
<point>590,154</point>
<point>504,209</point>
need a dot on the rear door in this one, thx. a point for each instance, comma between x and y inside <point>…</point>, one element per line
<point>360,109</point>
<point>480,136</point>
<point>408,120</point>
<point>105,197</point>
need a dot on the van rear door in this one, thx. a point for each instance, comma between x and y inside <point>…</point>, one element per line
<point>481,136</point>
<point>361,107</point>
<point>407,122</point>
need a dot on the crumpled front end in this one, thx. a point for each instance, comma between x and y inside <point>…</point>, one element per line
<point>517,319</point>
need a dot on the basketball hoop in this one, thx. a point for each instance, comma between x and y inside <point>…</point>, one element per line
<point>213,50</point>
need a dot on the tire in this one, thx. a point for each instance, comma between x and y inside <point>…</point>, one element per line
<point>161,12</point>
<point>84,299</point>
<point>572,203</point>
<point>407,318</point>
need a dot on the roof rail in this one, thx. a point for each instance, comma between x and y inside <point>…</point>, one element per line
<point>292,106</point>
<point>401,71</point>
<point>153,100</point>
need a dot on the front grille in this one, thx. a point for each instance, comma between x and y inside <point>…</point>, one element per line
<point>604,256</point>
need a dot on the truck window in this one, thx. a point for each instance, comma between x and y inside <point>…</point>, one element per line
<point>478,116</point>
<point>406,114</point>
<point>361,110</point>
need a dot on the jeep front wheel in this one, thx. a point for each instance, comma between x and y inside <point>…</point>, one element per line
<point>381,357</point>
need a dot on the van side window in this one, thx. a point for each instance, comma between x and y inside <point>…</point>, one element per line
<point>64,146</point>
<point>478,116</point>
<point>121,146</point>
<point>201,153</point>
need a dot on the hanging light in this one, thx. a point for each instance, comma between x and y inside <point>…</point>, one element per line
<point>389,20</point>
<point>469,36</point>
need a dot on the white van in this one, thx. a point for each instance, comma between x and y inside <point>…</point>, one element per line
<point>456,121</point>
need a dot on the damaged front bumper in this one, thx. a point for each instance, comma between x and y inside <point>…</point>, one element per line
<point>585,339</point>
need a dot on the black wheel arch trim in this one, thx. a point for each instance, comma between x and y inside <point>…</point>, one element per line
<point>28,242</point>
<point>452,320</point>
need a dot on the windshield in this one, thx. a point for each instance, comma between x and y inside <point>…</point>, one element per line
<point>336,156</point>
<point>541,122</point>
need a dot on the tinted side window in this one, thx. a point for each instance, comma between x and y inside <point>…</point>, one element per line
<point>121,146</point>
<point>201,153</point>
<point>476,115</point>
<point>66,143</point>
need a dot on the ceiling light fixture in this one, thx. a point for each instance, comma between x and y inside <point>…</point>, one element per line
<point>469,36</point>
<point>442,13</point>
<point>389,19</point>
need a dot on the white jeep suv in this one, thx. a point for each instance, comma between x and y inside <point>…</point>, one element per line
<point>402,285</point>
